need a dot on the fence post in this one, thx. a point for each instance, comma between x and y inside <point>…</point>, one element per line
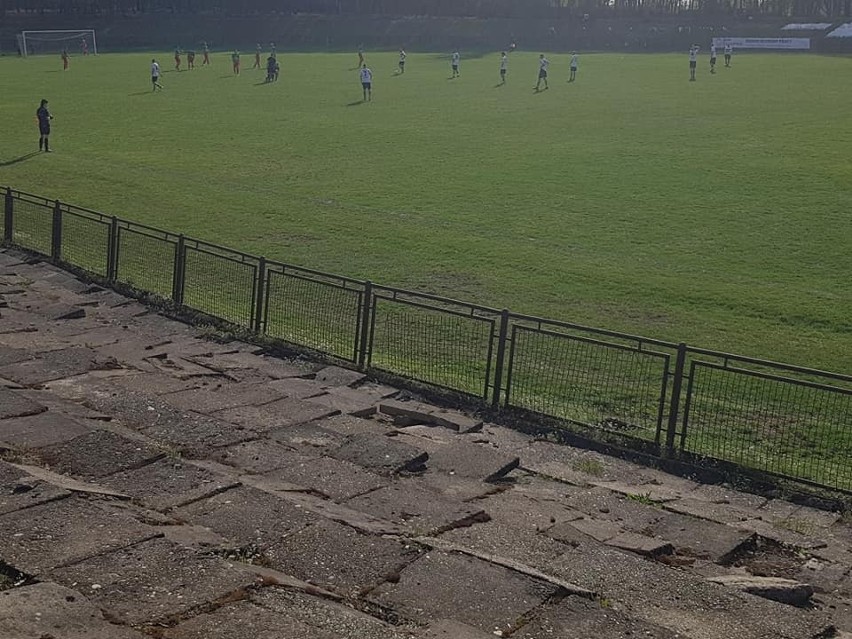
<point>674,406</point>
<point>363,338</point>
<point>7,217</point>
<point>501,356</point>
<point>260,297</point>
<point>179,271</point>
<point>112,250</point>
<point>56,235</point>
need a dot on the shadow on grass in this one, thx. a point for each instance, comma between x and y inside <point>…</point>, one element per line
<point>356,103</point>
<point>21,158</point>
<point>133,95</point>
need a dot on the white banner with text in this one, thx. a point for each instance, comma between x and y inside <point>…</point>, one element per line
<point>798,44</point>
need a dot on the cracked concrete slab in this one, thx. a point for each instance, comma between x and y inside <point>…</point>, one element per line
<point>43,610</point>
<point>54,365</point>
<point>333,478</point>
<point>416,508</point>
<point>288,411</point>
<point>247,516</point>
<point>380,454</point>
<point>42,429</point>
<point>472,460</point>
<point>65,531</point>
<point>340,558</point>
<point>153,581</point>
<point>16,404</point>
<point>343,622</point>
<point>168,483</point>
<point>98,453</point>
<point>450,586</point>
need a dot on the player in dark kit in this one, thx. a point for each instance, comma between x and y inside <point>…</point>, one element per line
<point>190,59</point>
<point>44,119</point>
<point>270,69</point>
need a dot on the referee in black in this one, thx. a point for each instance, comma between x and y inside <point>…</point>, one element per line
<point>44,119</point>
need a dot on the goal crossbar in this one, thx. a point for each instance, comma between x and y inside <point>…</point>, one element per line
<point>27,39</point>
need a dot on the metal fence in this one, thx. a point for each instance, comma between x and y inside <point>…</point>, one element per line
<point>778,419</point>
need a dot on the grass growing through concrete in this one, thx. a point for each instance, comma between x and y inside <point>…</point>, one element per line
<point>711,212</point>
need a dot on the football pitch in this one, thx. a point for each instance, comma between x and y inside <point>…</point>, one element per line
<point>715,212</point>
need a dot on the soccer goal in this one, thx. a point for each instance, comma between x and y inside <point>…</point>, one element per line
<point>55,41</point>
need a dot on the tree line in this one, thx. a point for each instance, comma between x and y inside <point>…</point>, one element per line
<point>541,9</point>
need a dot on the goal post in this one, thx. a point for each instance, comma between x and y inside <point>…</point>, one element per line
<point>55,40</point>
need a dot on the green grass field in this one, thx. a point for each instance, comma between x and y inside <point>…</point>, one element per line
<point>713,212</point>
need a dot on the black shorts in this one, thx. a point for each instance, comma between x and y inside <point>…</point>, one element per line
<point>502,71</point>
<point>712,60</point>
<point>455,67</point>
<point>402,63</point>
<point>573,69</point>
<point>542,73</point>
<point>155,79</point>
<point>727,56</point>
<point>44,128</point>
<point>692,64</point>
<point>366,85</point>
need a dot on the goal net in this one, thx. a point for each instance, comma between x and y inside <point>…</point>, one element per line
<point>76,42</point>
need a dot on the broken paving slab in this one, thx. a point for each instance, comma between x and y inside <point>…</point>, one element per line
<point>308,438</point>
<point>247,516</point>
<point>65,531</point>
<point>451,586</point>
<point>154,581</point>
<point>719,512</point>
<point>448,629</point>
<point>298,387</point>
<point>341,621</point>
<point>693,537</point>
<point>243,619</point>
<point>679,600</point>
<point>419,510</point>
<point>380,454</point>
<point>471,460</point>
<point>283,412</point>
<point>414,413</point>
<point>787,591</point>
<point>351,425</point>
<point>20,490</point>
<point>15,404</point>
<point>579,618</point>
<point>254,457</point>
<point>340,558</point>
<point>510,542</point>
<point>222,395</point>
<point>43,610</point>
<point>337,376</point>
<point>67,407</point>
<point>55,365</point>
<point>351,401</point>
<point>641,544</point>
<point>98,453</point>
<point>337,479</point>
<point>270,367</point>
<point>39,430</point>
<point>601,530</point>
<point>168,483</point>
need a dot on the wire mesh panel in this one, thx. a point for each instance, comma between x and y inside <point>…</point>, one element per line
<point>85,239</point>
<point>313,309</point>
<point>220,282</point>
<point>795,427</point>
<point>145,258</point>
<point>32,222</point>
<point>619,387</point>
<point>440,342</point>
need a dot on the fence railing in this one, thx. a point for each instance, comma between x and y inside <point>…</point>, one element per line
<point>779,419</point>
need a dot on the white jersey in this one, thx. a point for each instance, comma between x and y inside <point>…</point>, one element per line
<point>574,61</point>
<point>543,64</point>
<point>504,63</point>
<point>728,49</point>
<point>713,51</point>
<point>456,57</point>
<point>155,70</point>
<point>693,54</point>
<point>366,75</point>
<point>402,56</point>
